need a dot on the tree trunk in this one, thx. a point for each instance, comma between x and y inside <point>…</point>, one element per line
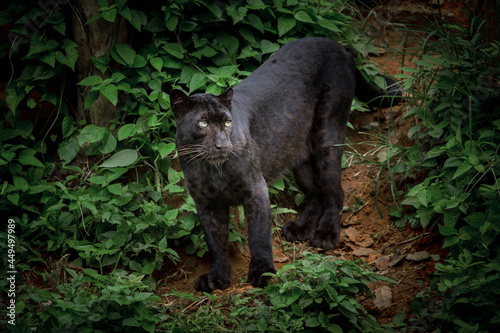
<point>94,40</point>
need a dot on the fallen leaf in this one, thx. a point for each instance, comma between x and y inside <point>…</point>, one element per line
<point>363,251</point>
<point>281,259</point>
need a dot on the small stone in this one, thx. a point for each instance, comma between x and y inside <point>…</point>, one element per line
<point>383,297</point>
<point>396,259</point>
<point>418,256</point>
<point>374,124</point>
<point>435,257</point>
<point>383,263</point>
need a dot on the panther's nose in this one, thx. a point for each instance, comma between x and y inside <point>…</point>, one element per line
<point>222,142</point>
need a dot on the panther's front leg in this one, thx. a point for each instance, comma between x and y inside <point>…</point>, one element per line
<point>215,221</point>
<point>258,214</point>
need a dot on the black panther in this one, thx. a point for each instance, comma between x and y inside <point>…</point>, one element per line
<point>289,114</point>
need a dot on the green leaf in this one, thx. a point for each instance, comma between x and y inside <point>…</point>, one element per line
<point>13,97</point>
<point>256,4</point>
<point>20,183</point>
<point>174,49</point>
<point>256,22</point>
<point>109,15</point>
<point>230,43</point>
<point>162,245</point>
<point>25,127</point>
<point>198,80</point>
<point>68,150</point>
<point>90,81</point>
<point>148,269</point>
<point>303,17</point>
<point>26,157</point>
<point>171,22</point>
<point>279,184</point>
<point>49,58</point>
<point>91,98</point>
<point>91,133</point>
<point>131,322</point>
<point>476,220</point>
<point>68,126</point>
<point>237,13</point>
<point>285,24</point>
<point>126,52</point>
<point>38,46</point>
<point>334,328</point>
<point>122,158</point>
<point>462,168</point>
<point>330,25</point>
<point>70,55</point>
<point>14,198</point>
<point>173,176</point>
<point>127,130</point>
<point>268,47</point>
<point>165,148</point>
<point>108,143</point>
<point>111,93</point>
<point>157,63</point>
<point>447,231</point>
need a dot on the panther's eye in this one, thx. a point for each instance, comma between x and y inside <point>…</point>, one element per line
<point>228,123</point>
<point>203,124</point>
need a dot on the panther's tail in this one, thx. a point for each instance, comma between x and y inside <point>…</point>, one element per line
<point>371,95</point>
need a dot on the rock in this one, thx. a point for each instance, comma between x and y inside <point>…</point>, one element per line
<point>396,259</point>
<point>383,263</point>
<point>435,257</point>
<point>383,297</point>
<point>363,252</point>
<point>418,256</point>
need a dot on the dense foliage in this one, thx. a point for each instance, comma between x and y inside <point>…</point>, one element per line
<point>110,200</point>
<point>456,108</point>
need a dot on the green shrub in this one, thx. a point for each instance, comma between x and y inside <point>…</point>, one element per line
<point>457,140</point>
<point>92,302</point>
<point>315,294</point>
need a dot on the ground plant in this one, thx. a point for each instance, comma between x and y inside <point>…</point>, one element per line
<point>94,211</point>
<point>456,112</point>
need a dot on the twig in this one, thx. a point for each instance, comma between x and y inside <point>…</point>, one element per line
<point>413,239</point>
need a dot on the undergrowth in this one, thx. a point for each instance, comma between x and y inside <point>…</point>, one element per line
<point>455,109</point>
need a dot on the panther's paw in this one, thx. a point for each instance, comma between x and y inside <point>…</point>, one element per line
<point>294,232</point>
<point>209,283</point>
<point>256,279</point>
<point>325,239</point>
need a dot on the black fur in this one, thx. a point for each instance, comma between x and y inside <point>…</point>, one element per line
<point>290,114</point>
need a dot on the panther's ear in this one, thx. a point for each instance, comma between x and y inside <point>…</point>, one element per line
<point>226,97</point>
<point>178,102</point>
